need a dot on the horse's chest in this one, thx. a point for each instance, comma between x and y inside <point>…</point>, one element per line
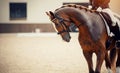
<point>85,39</point>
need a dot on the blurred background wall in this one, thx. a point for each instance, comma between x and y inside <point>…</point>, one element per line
<point>115,6</point>
<point>39,53</point>
<point>36,17</point>
<point>36,9</point>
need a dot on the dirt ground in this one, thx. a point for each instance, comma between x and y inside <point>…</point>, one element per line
<point>41,53</point>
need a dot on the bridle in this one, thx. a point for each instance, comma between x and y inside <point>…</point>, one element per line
<point>62,22</point>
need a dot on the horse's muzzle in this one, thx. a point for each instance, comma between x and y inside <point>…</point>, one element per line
<point>67,38</point>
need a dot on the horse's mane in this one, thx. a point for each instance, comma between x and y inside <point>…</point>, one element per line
<point>77,6</point>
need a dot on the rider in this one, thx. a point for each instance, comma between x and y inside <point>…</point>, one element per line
<point>103,6</point>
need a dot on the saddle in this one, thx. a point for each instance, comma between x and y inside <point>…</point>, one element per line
<point>95,33</point>
<point>108,23</point>
<point>114,29</point>
<point>106,17</point>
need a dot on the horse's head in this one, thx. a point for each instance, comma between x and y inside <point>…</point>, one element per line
<point>62,24</point>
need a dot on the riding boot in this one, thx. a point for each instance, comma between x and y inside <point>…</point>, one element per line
<point>109,42</point>
<point>116,31</point>
<point>118,44</point>
<point>118,40</point>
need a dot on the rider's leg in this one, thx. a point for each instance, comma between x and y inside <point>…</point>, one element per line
<point>115,24</point>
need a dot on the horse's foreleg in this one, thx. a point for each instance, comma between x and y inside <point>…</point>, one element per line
<point>108,62</point>
<point>118,62</point>
<point>100,59</point>
<point>88,57</point>
<point>113,56</point>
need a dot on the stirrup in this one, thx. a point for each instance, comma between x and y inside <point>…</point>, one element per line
<point>111,34</point>
<point>109,42</point>
<point>117,44</point>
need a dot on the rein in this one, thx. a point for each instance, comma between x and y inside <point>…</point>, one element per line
<point>61,21</point>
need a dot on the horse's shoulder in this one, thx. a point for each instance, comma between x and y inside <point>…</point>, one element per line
<point>96,26</point>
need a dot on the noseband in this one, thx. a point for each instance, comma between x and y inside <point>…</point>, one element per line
<point>61,21</point>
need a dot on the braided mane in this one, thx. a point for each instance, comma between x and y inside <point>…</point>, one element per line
<point>77,6</point>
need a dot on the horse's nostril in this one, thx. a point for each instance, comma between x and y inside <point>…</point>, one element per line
<point>67,40</point>
<point>70,37</point>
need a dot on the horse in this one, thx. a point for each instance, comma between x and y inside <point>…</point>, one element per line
<point>114,57</point>
<point>92,32</point>
<point>114,48</point>
<point>118,62</point>
<point>115,60</point>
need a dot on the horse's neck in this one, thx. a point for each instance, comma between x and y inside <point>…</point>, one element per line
<point>80,17</point>
<point>89,26</point>
<point>87,22</point>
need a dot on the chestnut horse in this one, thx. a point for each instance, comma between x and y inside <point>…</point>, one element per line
<point>114,57</point>
<point>92,32</point>
<point>113,53</point>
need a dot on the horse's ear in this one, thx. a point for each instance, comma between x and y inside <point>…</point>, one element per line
<point>47,13</point>
<point>50,14</point>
